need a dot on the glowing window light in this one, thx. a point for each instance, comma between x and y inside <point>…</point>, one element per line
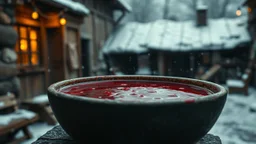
<point>23,45</point>
<point>35,15</point>
<point>249,10</point>
<point>63,21</point>
<point>238,12</point>
<point>33,34</point>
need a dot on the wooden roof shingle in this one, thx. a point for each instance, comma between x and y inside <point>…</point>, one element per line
<point>174,36</point>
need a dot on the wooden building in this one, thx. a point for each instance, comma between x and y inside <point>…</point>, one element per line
<point>182,48</point>
<point>251,8</point>
<point>60,39</point>
<point>96,28</point>
<point>48,50</point>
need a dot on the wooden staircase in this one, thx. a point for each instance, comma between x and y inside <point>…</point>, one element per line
<point>208,75</point>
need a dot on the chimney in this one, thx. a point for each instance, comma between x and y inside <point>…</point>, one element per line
<point>201,14</point>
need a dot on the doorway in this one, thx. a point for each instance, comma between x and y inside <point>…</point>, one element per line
<point>85,48</point>
<point>55,55</point>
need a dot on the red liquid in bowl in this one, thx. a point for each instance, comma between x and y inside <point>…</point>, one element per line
<point>135,90</point>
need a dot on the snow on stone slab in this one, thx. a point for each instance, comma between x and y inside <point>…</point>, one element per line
<point>76,6</point>
<point>19,114</point>
<point>235,83</point>
<point>41,99</point>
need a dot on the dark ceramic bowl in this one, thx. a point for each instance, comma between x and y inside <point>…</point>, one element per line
<point>98,121</point>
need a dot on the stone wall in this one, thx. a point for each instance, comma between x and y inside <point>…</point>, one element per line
<point>9,82</point>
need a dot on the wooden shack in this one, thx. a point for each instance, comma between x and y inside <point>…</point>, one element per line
<point>48,50</point>
<point>60,39</point>
<point>96,28</point>
<point>181,48</point>
<point>124,52</point>
<point>251,8</point>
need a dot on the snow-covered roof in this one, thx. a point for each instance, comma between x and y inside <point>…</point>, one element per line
<point>169,35</point>
<point>125,5</point>
<point>127,38</point>
<point>75,6</point>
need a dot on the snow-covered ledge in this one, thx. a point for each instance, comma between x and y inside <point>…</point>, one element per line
<point>19,114</point>
<point>41,99</point>
<point>76,6</point>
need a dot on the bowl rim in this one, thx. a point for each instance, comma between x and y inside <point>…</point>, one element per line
<point>221,91</point>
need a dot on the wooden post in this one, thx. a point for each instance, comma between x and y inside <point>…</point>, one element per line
<point>192,65</point>
<point>45,53</point>
<point>63,47</point>
<point>94,38</point>
<point>161,63</point>
<point>79,52</point>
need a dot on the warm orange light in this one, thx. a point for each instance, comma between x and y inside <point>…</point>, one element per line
<point>238,12</point>
<point>23,45</point>
<point>249,9</point>
<point>23,32</point>
<point>33,34</point>
<point>33,45</point>
<point>34,59</point>
<point>25,60</point>
<point>35,15</point>
<point>63,21</point>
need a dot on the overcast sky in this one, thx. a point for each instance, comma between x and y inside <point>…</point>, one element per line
<point>151,10</point>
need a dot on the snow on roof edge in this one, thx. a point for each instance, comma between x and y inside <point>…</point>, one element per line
<point>75,6</point>
<point>210,46</point>
<point>126,5</point>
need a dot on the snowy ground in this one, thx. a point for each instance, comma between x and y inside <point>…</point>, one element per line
<point>37,130</point>
<point>236,125</point>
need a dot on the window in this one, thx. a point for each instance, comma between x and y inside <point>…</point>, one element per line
<point>27,46</point>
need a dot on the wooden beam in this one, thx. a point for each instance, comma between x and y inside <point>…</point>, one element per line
<point>161,63</point>
<point>27,21</point>
<point>99,14</point>
<point>45,54</point>
<point>94,38</point>
<point>79,53</point>
<point>120,18</point>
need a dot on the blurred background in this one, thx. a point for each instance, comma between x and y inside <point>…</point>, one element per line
<point>45,41</point>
